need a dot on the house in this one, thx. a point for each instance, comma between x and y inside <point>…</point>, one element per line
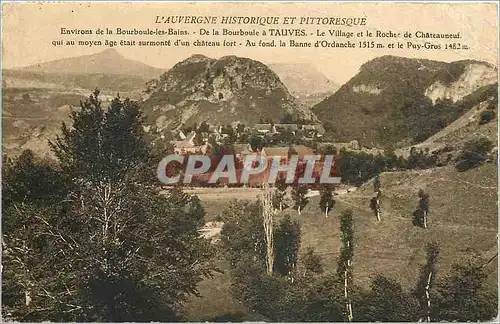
<point>183,148</point>
<point>313,130</point>
<point>272,151</point>
<point>286,127</point>
<point>214,129</point>
<point>264,128</point>
<point>187,146</point>
<point>242,150</point>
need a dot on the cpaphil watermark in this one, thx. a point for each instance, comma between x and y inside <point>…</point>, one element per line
<point>308,169</point>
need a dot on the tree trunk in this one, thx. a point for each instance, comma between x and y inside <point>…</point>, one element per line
<point>326,212</point>
<point>268,219</point>
<point>347,298</point>
<point>424,216</point>
<point>427,296</point>
<point>298,209</point>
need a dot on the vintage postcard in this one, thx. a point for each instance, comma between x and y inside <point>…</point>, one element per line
<point>249,161</point>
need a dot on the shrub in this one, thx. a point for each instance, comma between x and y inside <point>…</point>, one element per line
<point>473,154</point>
<point>487,116</point>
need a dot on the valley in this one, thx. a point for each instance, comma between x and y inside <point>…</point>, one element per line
<point>406,123</point>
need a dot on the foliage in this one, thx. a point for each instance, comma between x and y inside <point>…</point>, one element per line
<point>242,236</point>
<point>376,183</point>
<point>474,153</point>
<point>312,262</point>
<point>112,249</point>
<point>346,238</point>
<point>299,196</point>
<point>385,302</point>
<point>427,271</point>
<point>486,117</point>
<point>326,201</point>
<point>462,297</point>
<point>29,179</point>
<point>256,142</point>
<point>286,245</point>
<point>280,193</point>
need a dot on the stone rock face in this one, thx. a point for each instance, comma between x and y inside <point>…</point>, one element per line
<point>475,76</point>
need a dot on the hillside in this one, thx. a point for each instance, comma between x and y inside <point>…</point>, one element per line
<point>226,90</point>
<point>303,79</point>
<point>32,116</point>
<point>402,101</point>
<point>451,139</point>
<point>127,85</point>
<point>462,219</point>
<point>106,62</point>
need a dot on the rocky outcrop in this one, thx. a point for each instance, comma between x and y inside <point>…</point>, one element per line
<point>475,76</point>
<point>219,91</point>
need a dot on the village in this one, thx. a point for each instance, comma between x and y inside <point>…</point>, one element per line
<point>266,140</point>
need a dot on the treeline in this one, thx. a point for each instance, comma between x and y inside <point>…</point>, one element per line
<point>301,288</point>
<point>355,167</point>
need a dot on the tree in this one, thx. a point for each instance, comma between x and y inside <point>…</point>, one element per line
<point>256,143</point>
<point>344,268</point>
<point>375,202</point>
<point>291,151</point>
<point>204,127</point>
<point>486,117</point>
<point>242,235</point>
<point>326,202</point>
<point>425,283</point>
<point>198,139</point>
<point>280,192</point>
<point>268,215</point>
<point>112,249</point>
<point>461,296</point>
<point>299,196</point>
<point>474,153</point>
<point>386,302</point>
<point>312,262</point>
<point>286,245</point>
<point>423,206</point>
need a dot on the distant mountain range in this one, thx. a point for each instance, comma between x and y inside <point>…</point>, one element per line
<point>106,62</point>
<point>392,101</point>
<point>303,79</point>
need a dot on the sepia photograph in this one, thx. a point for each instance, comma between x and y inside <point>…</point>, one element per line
<point>249,161</point>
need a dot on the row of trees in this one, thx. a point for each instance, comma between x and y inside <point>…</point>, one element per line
<point>301,288</point>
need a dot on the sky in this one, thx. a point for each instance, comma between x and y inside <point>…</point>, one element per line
<point>28,30</point>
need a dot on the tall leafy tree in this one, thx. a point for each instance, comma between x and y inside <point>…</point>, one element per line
<point>462,296</point>
<point>299,196</point>
<point>375,202</point>
<point>119,250</point>
<point>344,268</point>
<point>386,301</point>
<point>423,206</point>
<point>280,193</point>
<point>326,201</point>
<point>286,245</point>
<point>312,262</point>
<point>424,287</point>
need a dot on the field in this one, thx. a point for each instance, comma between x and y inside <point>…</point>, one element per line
<point>462,219</point>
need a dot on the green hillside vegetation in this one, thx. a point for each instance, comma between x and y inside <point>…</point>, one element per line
<point>400,113</point>
<point>462,221</point>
